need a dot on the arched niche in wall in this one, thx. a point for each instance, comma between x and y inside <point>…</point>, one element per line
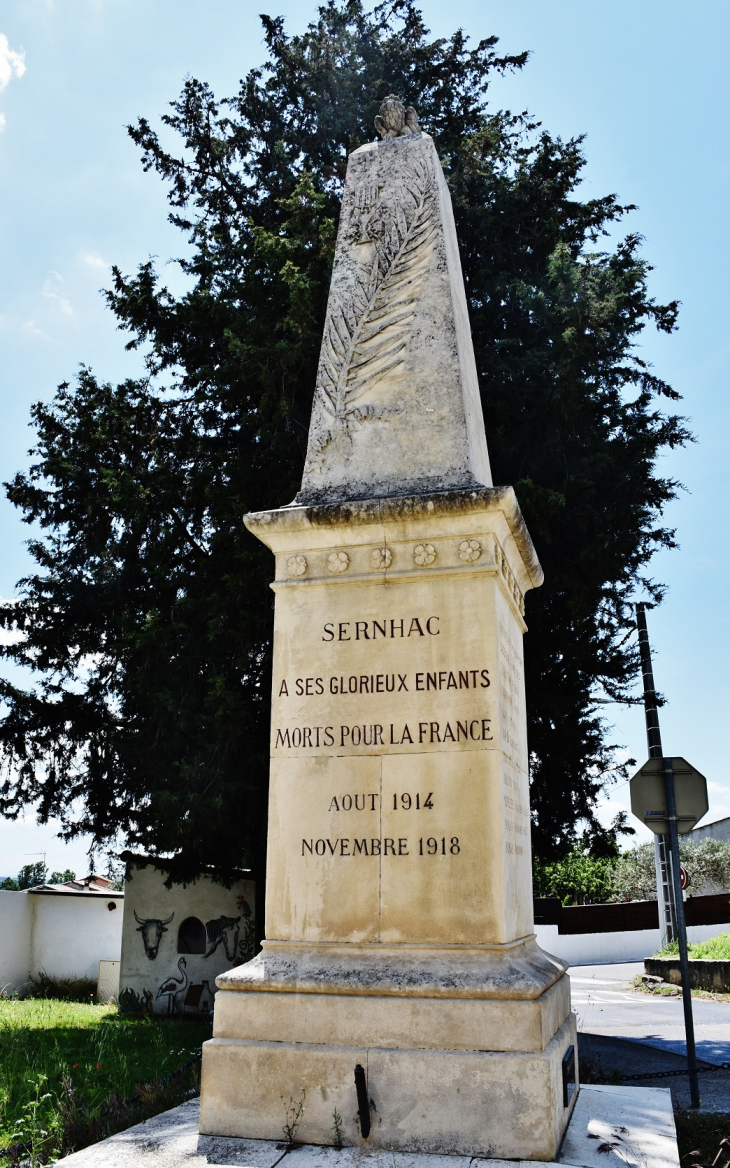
<point>191,936</point>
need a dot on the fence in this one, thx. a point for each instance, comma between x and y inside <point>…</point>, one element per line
<point>600,934</point>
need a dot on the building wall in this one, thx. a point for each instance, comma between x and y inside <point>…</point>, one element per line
<point>606,948</point>
<point>225,915</point>
<point>72,934</point>
<point>719,830</point>
<point>16,928</point>
<point>63,936</point>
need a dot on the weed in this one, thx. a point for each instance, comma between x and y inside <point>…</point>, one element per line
<point>714,949</point>
<point>293,1117</point>
<point>664,989</point>
<point>337,1128</point>
<point>592,1070</point>
<point>36,1140</point>
<point>703,1139</point>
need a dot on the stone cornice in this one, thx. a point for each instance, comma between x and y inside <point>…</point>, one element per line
<point>272,527</point>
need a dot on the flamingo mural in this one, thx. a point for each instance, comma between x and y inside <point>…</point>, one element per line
<point>174,986</point>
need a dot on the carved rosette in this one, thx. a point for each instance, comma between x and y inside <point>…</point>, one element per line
<point>424,554</point>
<point>296,566</point>
<point>337,562</point>
<point>366,560</point>
<point>470,550</point>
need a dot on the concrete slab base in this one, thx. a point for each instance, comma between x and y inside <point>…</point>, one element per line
<point>611,1127</point>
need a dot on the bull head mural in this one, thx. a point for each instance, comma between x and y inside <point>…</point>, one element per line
<point>152,929</point>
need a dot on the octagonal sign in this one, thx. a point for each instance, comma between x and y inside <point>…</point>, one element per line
<point>649,797</point>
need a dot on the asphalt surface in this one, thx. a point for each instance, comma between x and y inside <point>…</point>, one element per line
<point>605,1005</point>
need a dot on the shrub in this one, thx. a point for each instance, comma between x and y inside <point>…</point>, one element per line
<point>576,879</point>
<point>64,989</point>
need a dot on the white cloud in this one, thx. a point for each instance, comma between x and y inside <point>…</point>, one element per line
<point>11,63</point>
<point>92,259</point>
<point>51,289</point>
<point>2,123</point>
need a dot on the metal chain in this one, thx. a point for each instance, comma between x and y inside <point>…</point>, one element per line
<point>670,1074</point>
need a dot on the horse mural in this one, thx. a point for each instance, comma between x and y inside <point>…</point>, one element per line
<point>152,929</point>
<point>222,930</point>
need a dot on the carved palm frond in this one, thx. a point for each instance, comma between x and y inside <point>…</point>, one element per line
<point>367,331</point>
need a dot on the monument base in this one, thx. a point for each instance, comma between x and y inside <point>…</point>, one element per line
<point>464,1059</point>
<point>399,884</point>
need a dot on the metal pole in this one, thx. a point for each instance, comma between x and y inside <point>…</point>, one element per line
<point>667,849</point>
<point>662,851</point>
<point>694,1087</point>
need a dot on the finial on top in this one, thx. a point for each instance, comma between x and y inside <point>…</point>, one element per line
<point>394,120</point>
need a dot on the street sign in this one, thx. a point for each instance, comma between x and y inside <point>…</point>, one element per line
<point>685,878</point>
<point>649,795</point>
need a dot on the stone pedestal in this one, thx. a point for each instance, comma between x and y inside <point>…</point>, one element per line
<point>399,902</point>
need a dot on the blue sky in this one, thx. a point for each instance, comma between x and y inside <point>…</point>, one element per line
<point>647,83</point>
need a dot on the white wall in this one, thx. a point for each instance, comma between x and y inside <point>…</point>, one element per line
<point>606,948</point>
<point>146,895</point>
<point>16,928</point>
<point>72,934</point>
<point>63,936</point>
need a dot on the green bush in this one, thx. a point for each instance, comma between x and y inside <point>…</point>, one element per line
<point>576,879</point>
<point>581,878</point>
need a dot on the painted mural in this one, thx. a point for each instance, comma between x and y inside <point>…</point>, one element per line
<point>174,986</point>
<point>191,934</point>
<point>152,930</point>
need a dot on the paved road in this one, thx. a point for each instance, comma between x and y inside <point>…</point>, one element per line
<point>605,1005</point>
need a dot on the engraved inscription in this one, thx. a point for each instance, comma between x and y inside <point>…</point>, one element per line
<point>391,629</point>
<point>385,846</point>
<point>374,735</point>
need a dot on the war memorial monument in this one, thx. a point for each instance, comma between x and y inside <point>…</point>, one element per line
<point>399,918</point>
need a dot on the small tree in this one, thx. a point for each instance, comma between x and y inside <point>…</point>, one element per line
<point>707,865</point>
<point>578,878</point>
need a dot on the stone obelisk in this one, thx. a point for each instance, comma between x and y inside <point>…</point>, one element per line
<point>399,917</point>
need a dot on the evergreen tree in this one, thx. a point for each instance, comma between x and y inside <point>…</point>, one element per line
<point>148,620</point>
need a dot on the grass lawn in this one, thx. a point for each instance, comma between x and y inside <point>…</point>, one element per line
<point>66,1069</point>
